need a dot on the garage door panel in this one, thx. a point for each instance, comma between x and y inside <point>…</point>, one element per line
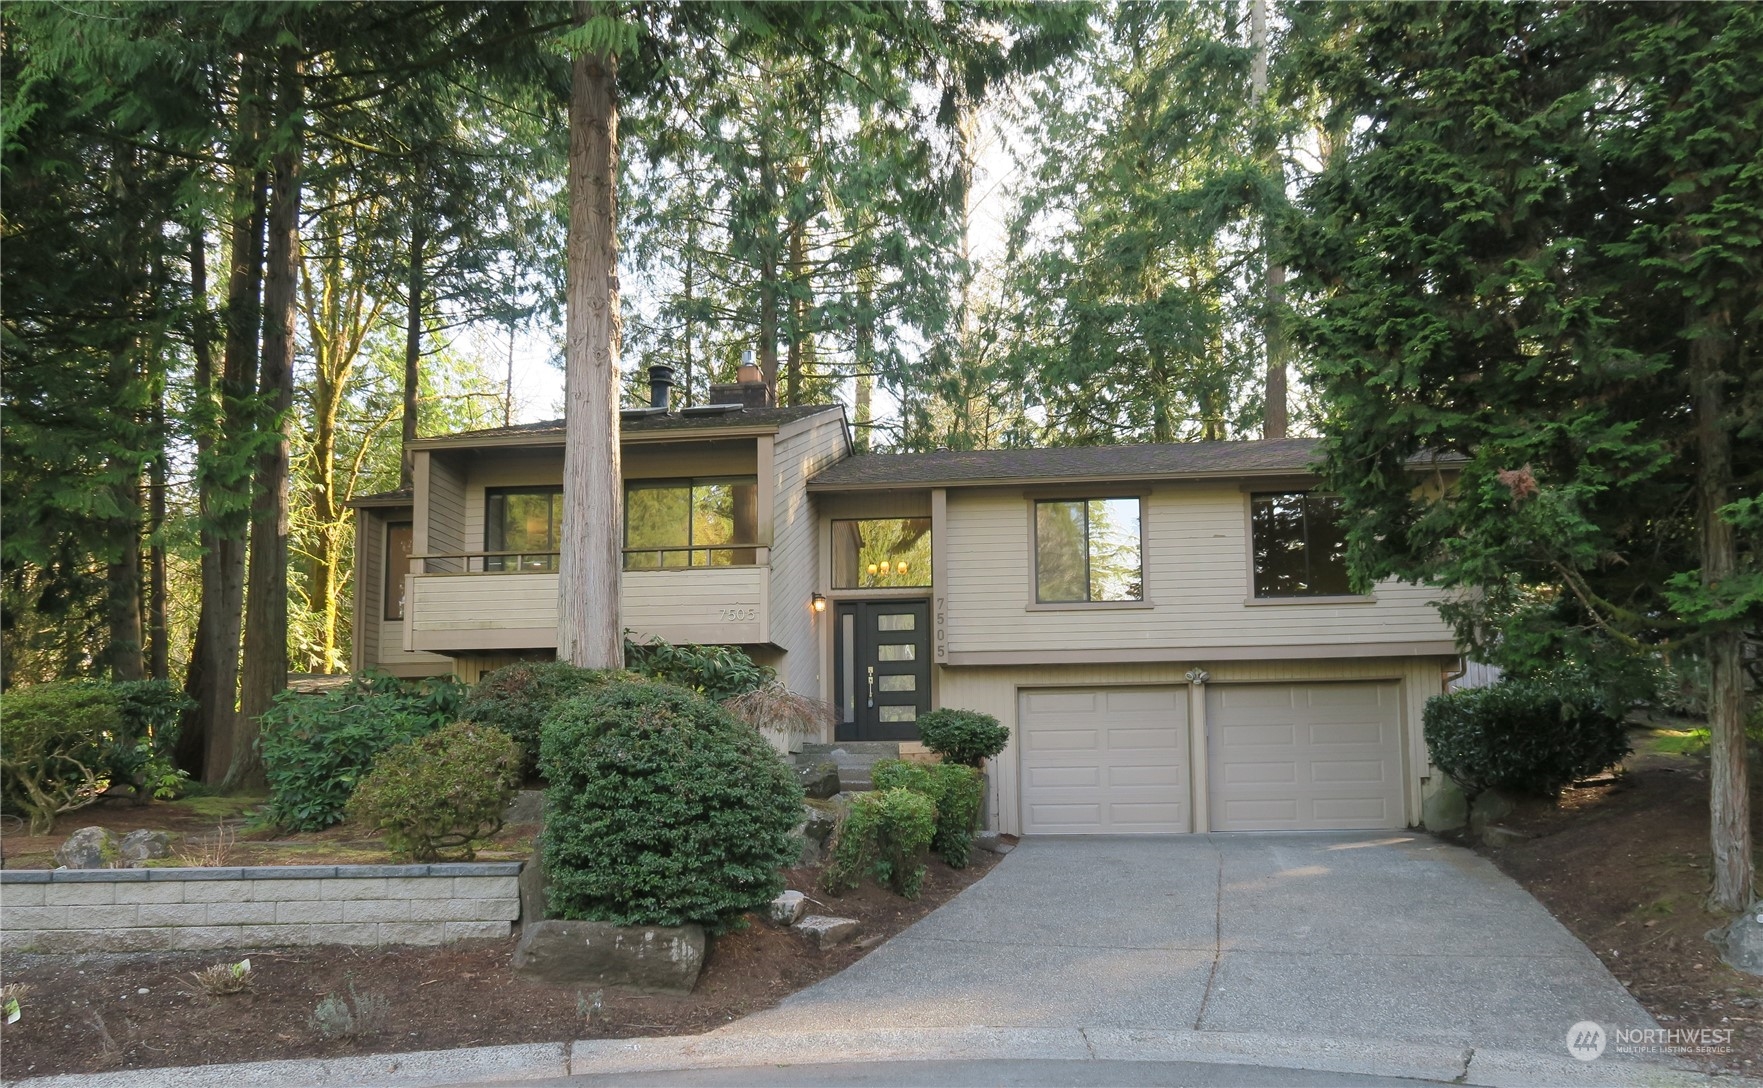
<point>1105,761</point>
<point>1295,756</point>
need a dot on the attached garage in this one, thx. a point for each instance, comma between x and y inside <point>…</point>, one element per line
<point>1304,757</point>
<point>1105,761</point>
<point>1276,757</point>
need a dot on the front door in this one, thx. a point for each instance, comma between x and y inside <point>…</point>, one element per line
<point>881,668</point>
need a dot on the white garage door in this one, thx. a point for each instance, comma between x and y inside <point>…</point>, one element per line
<point>1100,761</point>
<point>1303,757</point>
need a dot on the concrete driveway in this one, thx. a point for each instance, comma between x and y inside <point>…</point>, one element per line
<point>1317,950</point>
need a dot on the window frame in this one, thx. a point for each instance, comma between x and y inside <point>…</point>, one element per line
<point>690,483</point>
<point>493,493</point>
<point>1036,603</point>
<point>1251,598</point>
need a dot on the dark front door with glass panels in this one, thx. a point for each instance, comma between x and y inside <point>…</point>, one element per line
<point>881,668</point>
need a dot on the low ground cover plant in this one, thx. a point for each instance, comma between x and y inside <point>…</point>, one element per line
<point>956,790</point>
<point>662,809</point>
<point>885,836</point>
<point>967,737</point>
<point>316,748</point>
<point>1531,736</point>
<point>433,797</point>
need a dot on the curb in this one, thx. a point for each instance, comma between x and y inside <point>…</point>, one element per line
<point>733,1048</point>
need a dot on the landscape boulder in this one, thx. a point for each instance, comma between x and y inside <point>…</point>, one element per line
<point>819,780</point>
<point>1740,942</point>
<point>89,848</point>
<point>525,807</point>
<point>139,847</point>
<point>826,931</point>
<point>1445,809</point>
<point>650,959</point>
<point>819,820</point>
<point>533,882</point>
<point>787,909</point>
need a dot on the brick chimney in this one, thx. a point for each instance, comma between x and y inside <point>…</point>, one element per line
<point>747,390</point>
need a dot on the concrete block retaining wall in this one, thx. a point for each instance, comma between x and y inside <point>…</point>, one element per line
<point>136,910</point>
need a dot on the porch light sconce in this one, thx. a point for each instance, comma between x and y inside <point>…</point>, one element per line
<point>819,603</point>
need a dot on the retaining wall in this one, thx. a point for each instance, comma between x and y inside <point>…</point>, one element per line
<point>134,910</point>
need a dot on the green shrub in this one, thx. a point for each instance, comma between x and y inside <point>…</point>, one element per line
<point>662,809</point>
<point>956,790</point>
<point>962,736</point>
<point>1527,736</point>
<point>884,836</point>
<point>433,796</point>
<point>138,753</point>
<point>52,744</point>
<point>516,699</point>
<point>317,747</point>
<point>717,672</point>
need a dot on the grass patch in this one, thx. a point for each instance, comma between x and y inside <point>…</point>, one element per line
<point>1678,742</point>
<point>218,807</point>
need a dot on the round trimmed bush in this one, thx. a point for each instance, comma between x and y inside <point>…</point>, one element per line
<point>661,809</point>
<point>517,698</point>
<point>433,797</point>
<point>1527,736</point>
<point>962,736</point>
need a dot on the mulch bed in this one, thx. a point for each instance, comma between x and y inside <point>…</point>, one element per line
<point>1624,864</point>
<point>106,1012</point>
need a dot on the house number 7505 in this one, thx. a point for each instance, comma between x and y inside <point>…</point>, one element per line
<point>740,615</point>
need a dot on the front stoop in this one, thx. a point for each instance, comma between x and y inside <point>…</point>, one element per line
<point>853,757</point>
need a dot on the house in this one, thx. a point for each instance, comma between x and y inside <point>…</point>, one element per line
<point>1167,630</point>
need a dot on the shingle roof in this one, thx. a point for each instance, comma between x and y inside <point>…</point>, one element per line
<point>743,419</point>
<point>384,498</point>
<point>976,468</point>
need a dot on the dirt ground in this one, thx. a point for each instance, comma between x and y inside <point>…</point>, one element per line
<point>105,1012</point>
<point>1624,864</point>
<point>212,831</point>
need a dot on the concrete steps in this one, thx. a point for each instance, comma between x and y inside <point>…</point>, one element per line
<point>853,757</point>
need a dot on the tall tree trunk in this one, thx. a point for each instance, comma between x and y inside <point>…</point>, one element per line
<point>1728,776</point>
<point>689,331</point>
<point>588,630</point>
<point>266,594</point>
<point>800,302</point>
<point>861,422</point>
<point>414,289</point>
<point>1274,300</point>
<point>158,627</point>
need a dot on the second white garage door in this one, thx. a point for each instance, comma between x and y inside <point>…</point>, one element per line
<point>1304,757</point>
<point>1102,761</point>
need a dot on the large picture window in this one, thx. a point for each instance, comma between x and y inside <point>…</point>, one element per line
<point>525,521</point>
<point>881,553</point>
<point>691,523</point>
<point>1299,545</point>
<point>1088,550</point>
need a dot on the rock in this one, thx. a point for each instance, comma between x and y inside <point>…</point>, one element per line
<point>532,882</point>
<point>527,807</point>
<point>1495,835</point>
<point>986,840</point>
<point>1445,808</point>
<point>650,959</point>
<point>1740,942</point>
<point>1002,848</point>
<point>819,780</point>
<point>820,819</point>
<point>89,848</point>
<point>826,931</point>
<point>788,908</point>
<point>138,847</point>
<point>1489,807</point>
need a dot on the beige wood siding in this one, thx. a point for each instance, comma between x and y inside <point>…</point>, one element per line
<point>445,513</point>
<point>1196,584</point>
<point>512,468</point>
<point>795,552</point>
<point>381,642</point>
<point>997,691</point>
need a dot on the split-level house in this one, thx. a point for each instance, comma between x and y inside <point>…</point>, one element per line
<point>1167,630</point>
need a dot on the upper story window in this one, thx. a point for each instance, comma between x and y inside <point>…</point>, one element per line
<point>398,537</point>
<point>526,521</point>
<point>1299,545</point>
<point>881,553</point>
<point>691,523</point>
<point>1088,550</point>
